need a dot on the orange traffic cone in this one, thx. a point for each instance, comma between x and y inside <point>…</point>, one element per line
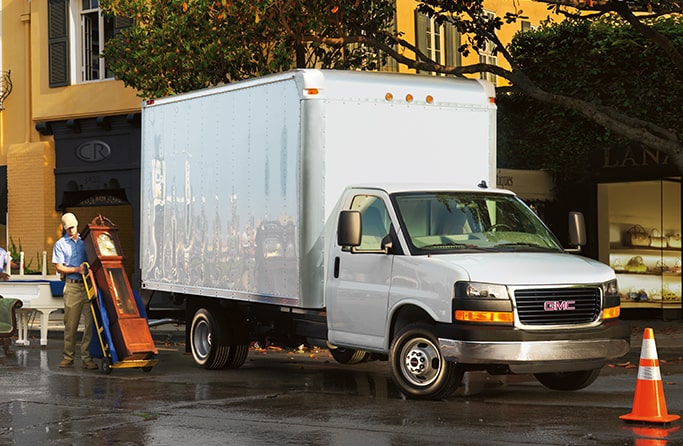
<point>648,403</point>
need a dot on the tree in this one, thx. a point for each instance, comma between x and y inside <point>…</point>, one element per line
<point>180,45</point>
<point>249,38</point>
<point>469,18</point>
<point>620,68</point>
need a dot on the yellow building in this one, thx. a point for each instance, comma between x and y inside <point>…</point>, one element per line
<point>66,129</point>
<point>70,134</point>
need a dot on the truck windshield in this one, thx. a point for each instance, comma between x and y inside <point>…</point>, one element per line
<point>438,222</point>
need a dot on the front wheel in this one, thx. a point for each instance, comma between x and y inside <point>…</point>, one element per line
<point>418,367</point>
<point>348,356</point>
<point>568,380</point>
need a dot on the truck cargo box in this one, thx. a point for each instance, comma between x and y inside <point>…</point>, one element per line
<point>238,181</point>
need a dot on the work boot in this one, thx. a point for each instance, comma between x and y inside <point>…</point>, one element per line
<point>66,363</point>
<point>89,364</point>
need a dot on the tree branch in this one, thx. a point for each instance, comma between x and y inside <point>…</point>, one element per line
<point>621,8</point>
<point>631,128</point>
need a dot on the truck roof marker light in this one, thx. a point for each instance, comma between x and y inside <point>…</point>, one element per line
<point>492,317</point>
<point>409,97</point>
<point>492,100</point>
<point>429,99</point>
<point>388,97</point>
<point>311,91</point>
<point>149,102</point>
<point>611,312</point>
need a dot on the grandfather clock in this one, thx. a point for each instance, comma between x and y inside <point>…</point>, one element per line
<point>129,330</point>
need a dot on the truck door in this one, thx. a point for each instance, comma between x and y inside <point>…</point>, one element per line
<point>358,293</point>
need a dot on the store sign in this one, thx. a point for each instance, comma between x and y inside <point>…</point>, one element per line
<point>634,157</point>
<point>93,151</point>
<point>528,184</point>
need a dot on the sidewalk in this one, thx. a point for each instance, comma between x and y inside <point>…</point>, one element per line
<point>668,334</point>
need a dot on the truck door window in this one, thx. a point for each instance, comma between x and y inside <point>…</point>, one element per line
<point>375,221</point>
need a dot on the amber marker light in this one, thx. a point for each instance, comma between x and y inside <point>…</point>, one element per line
<point>389,97</point>
<point>312,91</point>
<point>492,100</point>
<point>409,97</point>
<point>429,99</point>
<point>611,312</point>
<point>493,317</point>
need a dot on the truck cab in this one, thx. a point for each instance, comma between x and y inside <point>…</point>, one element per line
<point>443,281</point>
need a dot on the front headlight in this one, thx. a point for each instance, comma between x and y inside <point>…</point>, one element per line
<point>611,300</point>
<point>481,290</point>
<point>610,288</point>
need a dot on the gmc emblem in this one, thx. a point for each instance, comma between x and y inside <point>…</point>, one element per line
<point>559,305</point>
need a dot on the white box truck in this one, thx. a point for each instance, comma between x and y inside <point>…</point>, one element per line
<point>352,210</point>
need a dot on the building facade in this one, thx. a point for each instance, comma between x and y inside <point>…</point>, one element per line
<point>70,133</point>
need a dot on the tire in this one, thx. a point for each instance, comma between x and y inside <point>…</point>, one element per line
<point>568,381</point>
<point>417,366</point>
<point>349,356</point>
<point>208,340</point>
<point>239,340</point>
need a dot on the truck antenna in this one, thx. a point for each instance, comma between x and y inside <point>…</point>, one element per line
<point>482,185</point>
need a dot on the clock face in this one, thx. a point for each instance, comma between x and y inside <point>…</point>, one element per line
<point>106,245</point>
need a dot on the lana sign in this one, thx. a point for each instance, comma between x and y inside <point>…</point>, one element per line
<point>93,151</point>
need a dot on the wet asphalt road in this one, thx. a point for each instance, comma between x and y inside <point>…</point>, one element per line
<point>293,397</point>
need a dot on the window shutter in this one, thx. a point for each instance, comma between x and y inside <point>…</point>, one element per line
<point>421,32</point>
<point>452,42</point>
<point>121,23</point>
<point>58,42</point>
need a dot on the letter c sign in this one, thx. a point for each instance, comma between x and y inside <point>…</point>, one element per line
<point>93,151</point>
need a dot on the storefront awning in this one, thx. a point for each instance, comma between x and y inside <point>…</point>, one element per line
<point>529,185</point>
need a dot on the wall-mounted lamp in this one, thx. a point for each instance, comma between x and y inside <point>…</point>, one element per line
<point>5,87</point>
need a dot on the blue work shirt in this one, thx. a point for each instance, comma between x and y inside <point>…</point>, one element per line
<point>70,253</point>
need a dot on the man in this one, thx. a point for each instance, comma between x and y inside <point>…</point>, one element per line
<point>69,257</point>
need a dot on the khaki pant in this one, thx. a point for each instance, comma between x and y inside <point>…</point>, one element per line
<point>76,304</point>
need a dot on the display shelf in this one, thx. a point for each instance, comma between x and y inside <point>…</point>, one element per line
<point>648,277</point>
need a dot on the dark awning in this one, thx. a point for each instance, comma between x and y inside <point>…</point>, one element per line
<point>79,198</point>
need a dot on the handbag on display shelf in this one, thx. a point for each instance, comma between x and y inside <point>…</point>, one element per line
<point>674,240</point>
<point>660,267</point>
<point>638,236</point>
<point>635,265</point>
<point>657,240</point>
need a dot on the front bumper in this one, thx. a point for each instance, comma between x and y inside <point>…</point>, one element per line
<point>545,351</point>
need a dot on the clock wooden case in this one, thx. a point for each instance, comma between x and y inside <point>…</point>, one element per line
<point>129,329</point>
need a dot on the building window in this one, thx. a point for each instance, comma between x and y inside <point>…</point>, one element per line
<point>487,56</point>
<point>76,37</point>
<point>439,43</point>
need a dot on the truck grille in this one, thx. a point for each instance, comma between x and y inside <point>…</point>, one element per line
<point>558,306</point>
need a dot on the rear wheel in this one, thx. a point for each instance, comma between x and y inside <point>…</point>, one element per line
<point>208,340</point>
<point>418,367</point>
<point>568,380</point>
<point>239,340</point>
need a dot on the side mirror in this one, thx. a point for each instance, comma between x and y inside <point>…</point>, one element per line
<point>349,228</point>
<point>577,229</point>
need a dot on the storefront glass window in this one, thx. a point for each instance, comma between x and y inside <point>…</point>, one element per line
<point>642,221</point>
